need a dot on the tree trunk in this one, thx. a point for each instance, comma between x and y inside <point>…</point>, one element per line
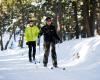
<point>98,17</point>
<point>76,19</point>
<point>85,14</point>
<point>98,26</point>
<point>13,31</point>
<point>92,16</point>
<point>23,12</point>
<point>22,29</point>
<point>6,46</point>
<point>1,42</point>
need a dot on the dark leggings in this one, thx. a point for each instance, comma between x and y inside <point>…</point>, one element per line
<point>32,46</point>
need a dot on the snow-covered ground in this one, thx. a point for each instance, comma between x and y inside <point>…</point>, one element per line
<point>81,58</point>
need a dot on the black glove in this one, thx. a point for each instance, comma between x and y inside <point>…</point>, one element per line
<point>60,41</point>
<point>27,43</point>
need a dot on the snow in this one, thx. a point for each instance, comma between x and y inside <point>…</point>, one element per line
<point>80,57</point>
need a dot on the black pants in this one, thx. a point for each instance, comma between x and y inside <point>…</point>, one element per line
<point>32,50</point>
<point>53,53</point>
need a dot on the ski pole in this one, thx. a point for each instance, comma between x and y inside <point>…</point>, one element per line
<point>39,46</point>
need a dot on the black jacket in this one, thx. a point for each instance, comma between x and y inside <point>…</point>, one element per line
<point>49,33</point>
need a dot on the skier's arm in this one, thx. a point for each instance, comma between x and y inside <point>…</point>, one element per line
<point>55,35</point>
<point>40,33</point>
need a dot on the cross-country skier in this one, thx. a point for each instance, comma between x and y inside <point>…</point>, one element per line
<point>50,37</point>
<point>31,35</point>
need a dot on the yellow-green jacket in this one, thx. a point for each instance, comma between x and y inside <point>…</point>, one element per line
<point>31,33</point>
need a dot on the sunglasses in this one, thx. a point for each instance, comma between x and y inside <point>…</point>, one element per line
<point>49,20</point>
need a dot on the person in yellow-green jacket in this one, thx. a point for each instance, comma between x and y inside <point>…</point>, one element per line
<point>31,35</point>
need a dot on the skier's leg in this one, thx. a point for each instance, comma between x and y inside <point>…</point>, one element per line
<point>29,53</point>
<point>46,54</point>
<point>53,54</point>
<point>34,49</point>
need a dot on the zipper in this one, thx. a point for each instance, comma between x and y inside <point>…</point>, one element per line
<point>31,33</point>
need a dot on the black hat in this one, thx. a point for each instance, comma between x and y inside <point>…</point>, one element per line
<point>30,21</point>
<point>48,18</point>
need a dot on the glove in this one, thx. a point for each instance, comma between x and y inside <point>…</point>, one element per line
<point>27,43</point>
<point>60,41</point>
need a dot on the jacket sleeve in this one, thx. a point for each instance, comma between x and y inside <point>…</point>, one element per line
<point>40,33</point>
<point>37,31</point>
<point>56,36</point>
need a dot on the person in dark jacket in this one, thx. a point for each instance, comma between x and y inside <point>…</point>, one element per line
<point>50,37</point>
